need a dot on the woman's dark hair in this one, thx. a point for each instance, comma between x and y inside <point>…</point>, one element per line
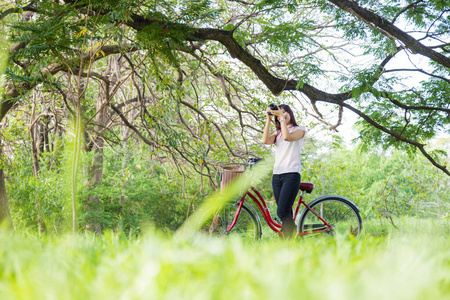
<point>287,109</point>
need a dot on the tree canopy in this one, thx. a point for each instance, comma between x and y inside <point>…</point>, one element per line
<point>184,74</point>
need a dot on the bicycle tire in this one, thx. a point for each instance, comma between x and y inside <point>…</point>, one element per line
<point>342,214</point>
<point>216,221</point>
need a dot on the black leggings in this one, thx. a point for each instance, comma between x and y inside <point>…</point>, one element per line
<point>285,189</point>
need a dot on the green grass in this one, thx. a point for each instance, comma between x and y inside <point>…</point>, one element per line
<point>412,262</point>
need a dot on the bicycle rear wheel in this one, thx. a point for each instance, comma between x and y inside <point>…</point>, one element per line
<point>337,211</point>
<point>216,221</point>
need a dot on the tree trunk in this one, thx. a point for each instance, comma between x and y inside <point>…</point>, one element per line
<point>438,201</point>
<point>40,136</point>
<point>96,169</point>
<point>45,132</point>
<point>34,150</point>
<point>5,217</point>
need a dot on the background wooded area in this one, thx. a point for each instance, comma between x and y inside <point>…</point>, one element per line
<point>118,113</point>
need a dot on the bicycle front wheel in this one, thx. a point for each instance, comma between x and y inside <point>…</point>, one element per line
<point>338,212</point>
<point>216,221</point>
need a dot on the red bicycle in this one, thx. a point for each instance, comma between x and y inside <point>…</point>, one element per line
<point>328,215</point>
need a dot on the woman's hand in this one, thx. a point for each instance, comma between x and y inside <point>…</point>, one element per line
<point>277,113</point>
<point>268,138</point>
<point>268,115</point>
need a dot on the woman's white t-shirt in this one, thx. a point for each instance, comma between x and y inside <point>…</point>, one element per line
<point>287,154</point>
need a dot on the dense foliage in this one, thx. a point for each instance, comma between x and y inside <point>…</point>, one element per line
<point>382,184</point>
<point>87,83</point>
<point>174,64</point>
<point>136,191</point>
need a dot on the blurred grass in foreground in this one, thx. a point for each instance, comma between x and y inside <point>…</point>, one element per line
<point>410,263</point>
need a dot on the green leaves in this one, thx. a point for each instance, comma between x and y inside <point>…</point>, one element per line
<point>197,12</point>
<point>284,37</point>
<point>382,183</point>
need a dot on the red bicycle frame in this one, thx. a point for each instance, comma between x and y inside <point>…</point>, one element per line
<point>275,226</point>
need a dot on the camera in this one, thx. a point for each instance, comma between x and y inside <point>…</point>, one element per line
<point>272,106</point>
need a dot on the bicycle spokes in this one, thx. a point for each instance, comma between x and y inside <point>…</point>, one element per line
<point>219,222</point>
<point>331,216</point>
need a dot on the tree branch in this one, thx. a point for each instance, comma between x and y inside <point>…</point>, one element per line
<point>418,145</point>
<point>384,25</point>
<point>14,90</point>
<point>413,107</point>
<point>15,10</point>
<point>405,9</point>
<point>129,125</point>
<point>215,124</point>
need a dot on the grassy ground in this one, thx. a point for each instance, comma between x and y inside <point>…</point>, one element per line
<point>412,262</point>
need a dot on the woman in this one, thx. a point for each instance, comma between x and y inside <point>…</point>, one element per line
<point>288,139</point>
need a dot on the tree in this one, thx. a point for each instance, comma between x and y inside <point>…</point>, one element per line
<point>4,207</point>
<point>195,68</point>
<point>382,184</point>
<point>283,44</point>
